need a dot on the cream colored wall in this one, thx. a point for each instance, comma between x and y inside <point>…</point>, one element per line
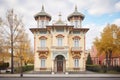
<point>65,40</point>
<point>36,55</point>
<point>81,44</point>
<point>52,41</point>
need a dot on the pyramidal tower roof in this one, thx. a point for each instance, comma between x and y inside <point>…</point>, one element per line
<point>76,13</point>
<point>42,13</point>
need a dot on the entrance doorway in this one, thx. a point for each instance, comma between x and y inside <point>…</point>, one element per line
<point>60,63</point>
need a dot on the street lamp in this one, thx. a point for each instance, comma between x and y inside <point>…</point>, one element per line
<point>21,58</point>
<point>21,70</point>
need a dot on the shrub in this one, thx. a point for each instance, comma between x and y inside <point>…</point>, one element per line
<point>95,68</point>
<point>4,66</point>
<point>104,68</point>
<point>116,68</point>
<point>27,68</point>
<point>24,68</point>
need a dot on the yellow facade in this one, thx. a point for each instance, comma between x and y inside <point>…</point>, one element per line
<point>59,47</point>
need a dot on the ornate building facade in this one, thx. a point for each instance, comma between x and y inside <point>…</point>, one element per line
<point>59,47</point>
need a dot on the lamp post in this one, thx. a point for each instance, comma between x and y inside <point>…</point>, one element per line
<point>21,58</point>
<point>21,70</point>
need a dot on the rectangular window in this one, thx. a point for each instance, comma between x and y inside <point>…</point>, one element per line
<point>76,63</point>
<point>59,41</point>
<point>42,63</point>
<point>42,43</point>
<point>76,32</point>
<point>60,30</point>
<point>76,42</point>
<point>42,24</point>
<point>76,24</point>
<point>43,32</point>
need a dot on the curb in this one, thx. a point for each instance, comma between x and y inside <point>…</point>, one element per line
<point>61,75</point>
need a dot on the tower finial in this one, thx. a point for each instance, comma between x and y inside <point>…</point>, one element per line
<point>42,8</point>
<point>59,15</point>
<point>75,8</point>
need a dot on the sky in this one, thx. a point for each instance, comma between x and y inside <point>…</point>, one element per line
<point>98,13</point>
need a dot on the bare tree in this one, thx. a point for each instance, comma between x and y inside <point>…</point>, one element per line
<point>12,30</point>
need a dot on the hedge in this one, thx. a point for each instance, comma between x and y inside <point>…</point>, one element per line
<point>27,68</point>
<point>24,68</point>
<point>95,68</point>
<point>98,68</point>
<point>4,66</point>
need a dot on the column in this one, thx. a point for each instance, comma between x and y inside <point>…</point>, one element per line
<point>53,70</point>
<point>66,70</point>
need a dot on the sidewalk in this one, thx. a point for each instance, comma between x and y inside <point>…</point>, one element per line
<point>64,75</point>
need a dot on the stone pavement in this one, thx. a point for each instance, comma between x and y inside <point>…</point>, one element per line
<point>93,75</point>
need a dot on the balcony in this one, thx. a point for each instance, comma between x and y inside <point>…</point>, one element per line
<point>76,49</point>
<point>59,47</point>
<point>42,49</point>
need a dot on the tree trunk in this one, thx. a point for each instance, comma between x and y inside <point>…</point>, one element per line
<point>107,60</point>
<point>110,56</point>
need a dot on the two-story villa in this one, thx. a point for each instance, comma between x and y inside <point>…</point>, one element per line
<point>59,47</point>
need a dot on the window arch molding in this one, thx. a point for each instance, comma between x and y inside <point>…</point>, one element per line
<point>60,35</point>
<point>42,37</point>
<point>76,37</point>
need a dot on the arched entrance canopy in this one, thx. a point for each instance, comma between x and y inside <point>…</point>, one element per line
<point>64,54</point>
<point>60,63</point>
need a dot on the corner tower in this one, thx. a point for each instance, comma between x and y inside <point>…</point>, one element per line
<point>42,18</point>
<point>76,18</point>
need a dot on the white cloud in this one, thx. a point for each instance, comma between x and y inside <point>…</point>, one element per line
<point>28,8</point>
<point>97,7</point>
<point>117,6</point>
<point>94,31</point>
<point>116,21</point>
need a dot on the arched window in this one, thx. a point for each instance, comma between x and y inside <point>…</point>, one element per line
<point>42,63</point>
<point>76,63</point>
<point>76,42</point>
<point>60,41</point>
<point>43,41</point>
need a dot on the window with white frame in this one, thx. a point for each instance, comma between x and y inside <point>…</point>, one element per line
<point>42,63</point>
<point>42,42</point>
<point>59,40</point>
<point>42,24</point>
<point>76,42</point>
<point>76,63</point>
<point>76,23</point>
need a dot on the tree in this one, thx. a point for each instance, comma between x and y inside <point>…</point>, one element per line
<point>24,49</point>
<point>12,29</point>
<point>109,42</point>
<point>14,39</point>
<point>4,55</point>
<point>89,60</point>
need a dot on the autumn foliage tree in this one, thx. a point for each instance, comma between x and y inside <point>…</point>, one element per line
<point>12,36</point>
<point>109,42</point>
